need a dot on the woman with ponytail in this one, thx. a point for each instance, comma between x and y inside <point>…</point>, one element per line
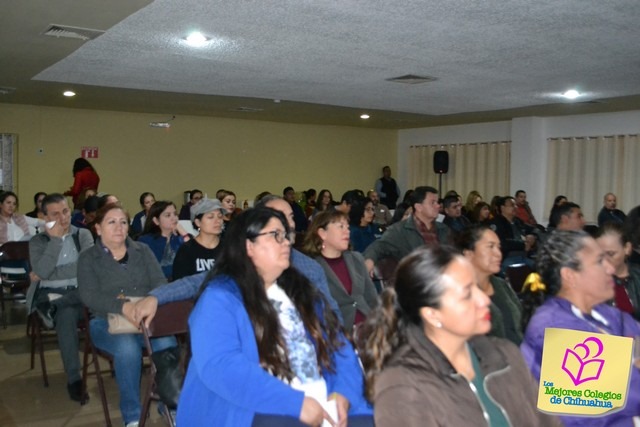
<point>576,283</point>
<point>427,361</point>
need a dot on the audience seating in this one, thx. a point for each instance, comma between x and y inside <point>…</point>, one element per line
<point>14,273</point>
<point>96,353</point>
<point>385,272</point>
<point>516,275</point>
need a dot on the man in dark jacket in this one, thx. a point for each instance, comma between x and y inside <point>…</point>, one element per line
<point>421,228</point>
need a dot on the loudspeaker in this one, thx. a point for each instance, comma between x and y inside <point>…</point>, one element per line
<point>441,162</point>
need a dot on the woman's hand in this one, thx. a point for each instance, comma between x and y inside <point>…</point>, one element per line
<point>146,309</point>
<point>182,232</point>
<point>312,413</point>
<point>342,403</point>
<point>129,311</point>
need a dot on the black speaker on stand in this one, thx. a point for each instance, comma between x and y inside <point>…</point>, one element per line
<point>440,166</point>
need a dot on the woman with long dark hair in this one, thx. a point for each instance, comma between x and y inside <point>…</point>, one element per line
<point>324,202</point>
<point>267,350</point>
<point>13,225</point>
<point>84,177</point>
<point>147,200</point>
<point>363,231</point>
<point>426,358</point>
<point>576,283</point>
<point>163,234</point>
<point>37,210</point>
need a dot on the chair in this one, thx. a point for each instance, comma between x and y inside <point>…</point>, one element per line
<point>385,271</point>
<point>516,275</point>
<point>170,319</point>
<point>38,333</point>
<point>14,273</point>
<point>96,353</point>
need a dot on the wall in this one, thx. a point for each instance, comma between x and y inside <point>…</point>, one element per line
<point>528,138</point>
<point>245,156</point>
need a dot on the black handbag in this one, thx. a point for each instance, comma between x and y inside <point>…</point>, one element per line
<point>169,375</point>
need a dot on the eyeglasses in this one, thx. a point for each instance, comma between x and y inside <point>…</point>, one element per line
<point>279,235</point>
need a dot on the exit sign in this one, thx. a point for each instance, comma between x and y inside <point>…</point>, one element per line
<point>90,152</point>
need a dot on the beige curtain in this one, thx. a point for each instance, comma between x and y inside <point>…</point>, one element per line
<point>484,167</point>
<point>586,168</point>
<point>7,142</point>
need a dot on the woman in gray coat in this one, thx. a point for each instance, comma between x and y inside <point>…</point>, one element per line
<point>327,240</point>
<point>110,272</point>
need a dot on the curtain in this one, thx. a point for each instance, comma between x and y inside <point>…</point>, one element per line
<point>7,142</point>
<point>584,169</point>
<point>484,167</point>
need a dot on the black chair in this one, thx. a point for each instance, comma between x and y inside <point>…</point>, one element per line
<point>385,272</point>
<point>14,273</point>
<point>38,333</point>
<point>516,275</point>
<point>95,353</point>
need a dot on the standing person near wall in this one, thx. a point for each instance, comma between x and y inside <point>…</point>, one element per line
<point>387,188</point>
<point>84,177</point>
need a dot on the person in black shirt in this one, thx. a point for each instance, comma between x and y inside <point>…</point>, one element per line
<point>199,254</point>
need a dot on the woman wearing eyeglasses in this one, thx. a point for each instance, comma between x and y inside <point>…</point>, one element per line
<point>266,348</point>
<point>363,231</point>
<point>350,284</point>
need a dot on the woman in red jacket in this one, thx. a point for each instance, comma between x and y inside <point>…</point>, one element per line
<point>84,177</point>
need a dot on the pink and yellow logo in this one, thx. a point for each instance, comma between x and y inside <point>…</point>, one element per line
<point>584,373</point>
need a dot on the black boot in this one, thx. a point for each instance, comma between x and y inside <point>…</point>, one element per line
<point>75,392</point>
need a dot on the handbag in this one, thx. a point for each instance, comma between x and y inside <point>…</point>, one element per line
<point>118,324</point>
<point>169,375</point>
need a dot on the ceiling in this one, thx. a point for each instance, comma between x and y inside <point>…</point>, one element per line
<point>327,62</point>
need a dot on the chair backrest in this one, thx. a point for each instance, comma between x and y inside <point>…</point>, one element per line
<point>386,271</point>
<point>14,260</point>
<point>171,319</point>
<point>516,275</point>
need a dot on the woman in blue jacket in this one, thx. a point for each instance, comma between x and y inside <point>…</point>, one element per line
<point>163,234</point>
<point>266,350</point>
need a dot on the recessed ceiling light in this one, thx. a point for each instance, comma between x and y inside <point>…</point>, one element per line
<point>364,116</point>
<point>571,94</point>
<point>69,93</point>
<point>196,39</point>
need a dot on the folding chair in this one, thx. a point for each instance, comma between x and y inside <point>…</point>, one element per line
<point>38,333</point>
<point>170,319</point>
<point>385,272</point>
<point>14,273</point>
<point>516,275</point>
<point>96,353</point>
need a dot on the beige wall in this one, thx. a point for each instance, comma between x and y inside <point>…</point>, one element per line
<point>204,152</point>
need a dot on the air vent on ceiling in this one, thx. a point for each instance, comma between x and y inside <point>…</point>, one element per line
<point>69,32</point>
<point>7,90</point>
<point>412,79</point>
<point>246,110</point>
